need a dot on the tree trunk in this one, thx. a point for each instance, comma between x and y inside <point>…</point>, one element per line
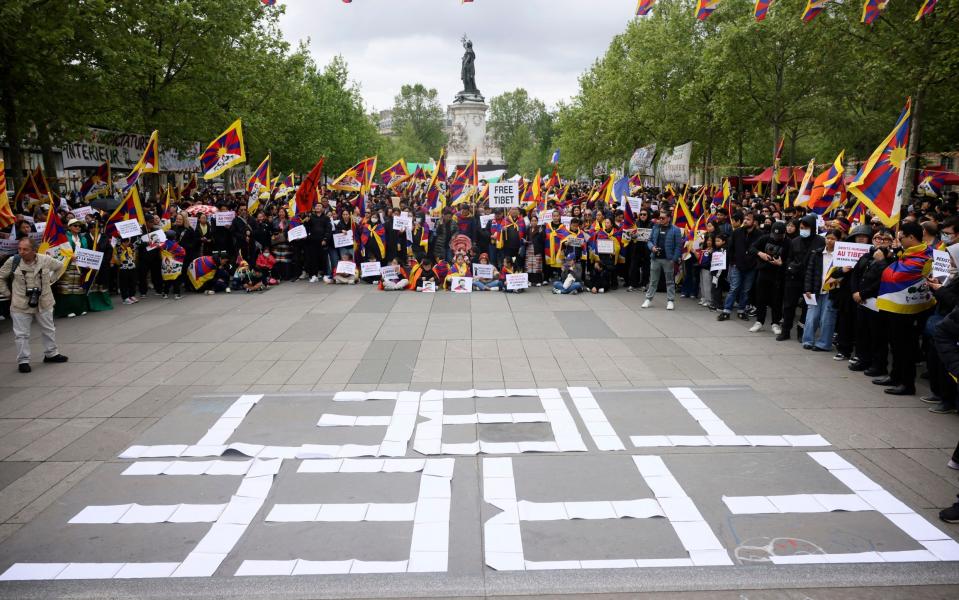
<point>49,161</point>
<point>912,155</point>
<point>13,135</point>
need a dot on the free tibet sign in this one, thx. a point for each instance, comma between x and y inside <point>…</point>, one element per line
<point>504,194</point>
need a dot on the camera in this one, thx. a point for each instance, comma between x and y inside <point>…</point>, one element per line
<point>33,297</point>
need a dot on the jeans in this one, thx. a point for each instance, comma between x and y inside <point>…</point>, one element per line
<point>21,333</point>
<point>492,285</point>
<point>705,284</point>
<point>661,267</point>
<point>740,282</point>
<point>822,316</point>
<point>574,287</point>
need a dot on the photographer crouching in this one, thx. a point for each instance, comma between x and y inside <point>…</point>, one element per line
<point>25,281</point>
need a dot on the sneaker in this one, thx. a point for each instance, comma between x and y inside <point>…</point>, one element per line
<point>742,316</point>
<point>629,288</point>
<point>723,316</point>
<point>951,514</point>
<point>135,299</point>
<point>556,291</point>
<point>313,279</point>
<point>302,276</point>
<point>670,305</point>
<point>56,358</point>
<point>603,291</point>
<point>782,336</point>
<point>327,279</point>
<point>127,301</point>
<point>953,465</point>
<point>71,315</point>
<point>757,326</point>
<point>647,303</point>
<point>777,328</point>
<point>177,297</point>
<point>840,356</point>
<point>165,296</point>
<point>930,399</point>
<point>24,367</point>
<point>228,291</point>
<point>943,408</point>
<point>684,295</point>
<point>210,292</point>
<point>751,311</point>
<point>711,307</point>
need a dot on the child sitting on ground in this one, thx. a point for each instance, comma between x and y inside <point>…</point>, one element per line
<point>346,278</point>
<point>394,279</point>
<point>485,284</point>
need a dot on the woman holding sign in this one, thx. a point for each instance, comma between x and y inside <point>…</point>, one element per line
<point>68,293</point>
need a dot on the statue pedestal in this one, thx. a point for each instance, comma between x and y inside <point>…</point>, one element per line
<point>467,132</point>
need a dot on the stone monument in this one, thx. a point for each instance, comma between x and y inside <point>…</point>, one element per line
<point>466,121</point>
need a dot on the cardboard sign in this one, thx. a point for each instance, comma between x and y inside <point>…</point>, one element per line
<point>847,254</point>
<point>574,242</point>
<point>461,285</point>
<point>503,194</point>
<point>388,272</point>
<point>82,211</point>
<point>485,219</point>
<point>129,228</point>
<point>605,246</point>
<point>635,204</point>
<point>342,240</point>
<point>642,235</point>
<point>402,222</point>
<point>517,281</point>
<point>717,262</point>
<point>88,259</point>
<point>296,233</point>
<point>345,267</point>
<point>482,271</point>
<point>370,269</point>
<point>225,218</point>
<point>941,262</point>
<point>429,286</point>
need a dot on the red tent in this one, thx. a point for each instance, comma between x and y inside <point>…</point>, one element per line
<point>792,175</point>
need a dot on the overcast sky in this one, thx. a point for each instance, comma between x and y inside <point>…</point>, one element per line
<point>541,45</point>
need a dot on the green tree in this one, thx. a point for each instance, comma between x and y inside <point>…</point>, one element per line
<point>417,114</point>
<point>523,129</point>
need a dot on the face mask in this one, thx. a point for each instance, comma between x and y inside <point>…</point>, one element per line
<point>804,233</point>
<point>374,221</point>
<point>948,238</point>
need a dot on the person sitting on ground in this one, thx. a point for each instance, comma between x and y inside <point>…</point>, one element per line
<point>509,268</point>
<point>247,279</point>
<point>485,284</point>
<point>571,279</point>
<point>221,281</point>
<point>396,279</point>
<point>346,278</point>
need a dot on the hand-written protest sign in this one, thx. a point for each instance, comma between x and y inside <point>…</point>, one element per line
<point>517,281</point>
<point>482,271</point>
<point>89,259</point>
<point>461,285</point>
<point>296,233</point>
<point>129,228</point>
<point>225,218</point>
<point>402,222</point>
<point>717,262</point>
<point>485,219</point>
<point>604,246</point>
<point>40,227</point>
<point>342,240</point>
<point>370,269</point>
<point>345,267</point>
<point>388,272</point>
<point>635,204</point>
<point>8,246</point>
<point>847,254</point>
<point>504,194</point>
<point>941,262</point>
<point>82,211</point>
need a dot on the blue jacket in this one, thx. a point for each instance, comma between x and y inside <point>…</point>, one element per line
<point>674,242</point>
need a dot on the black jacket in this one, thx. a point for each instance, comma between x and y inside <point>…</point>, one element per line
<point>319,229</point>
<point>814,276</point>
<point>946,338</point>
<point>797,255</point>
<point>740,244</point>
<point>774,249</point>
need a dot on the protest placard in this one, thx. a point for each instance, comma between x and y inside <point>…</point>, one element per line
<point>154,238</point>
<point>485,219</point>
<point>342,240</point>
<point>847,254</point>
<point>388,272</point>
<point>566,221</point>
<point>517,281</point>
<point>129,228</point>
<point>717,262</point>
<point>482,271</point>
<point>401,222</point>
<point>370,269</point>
<point>503,194</point>
<point>429,286</point>
<point>87,259</point>
<point>193,221</point>
<point>941,262</point>
<point>225,218</point>
<point>642,235</point>
<point>635,204</point>
<point>40,227</point>
<point>82,211</point>
<point>345,267</point>
<point>605,246</point>
<point>296,233</point>
<point>8,246</point>
<point>461,285</point>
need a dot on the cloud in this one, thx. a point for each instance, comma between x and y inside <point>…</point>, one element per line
<point>541,45</point>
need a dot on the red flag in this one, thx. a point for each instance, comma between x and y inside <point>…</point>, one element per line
<point>306,194</point>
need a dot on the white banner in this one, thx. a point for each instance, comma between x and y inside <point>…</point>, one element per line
<point>345,267</point>
<point>225,218</point>
<point>941,262</point>
<point>642,160</point>
<point>673,166</point>
<point>82,211</point>
<point>88,259</point>
<point>717,261</point>
<point>370,269</point>
<point>123,150</point>
<point>342,240</point>
<point>847,254</point>
<point>296,233</point>
<point>403,222</point>
<point>605,246</point>
<point>129,228</point>
<point>504,194</point>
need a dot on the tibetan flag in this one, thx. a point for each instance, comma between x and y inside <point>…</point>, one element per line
<point>643,7</point>
<point>433,189</point>
<point>125,183</point>
<point>704,8</point>
<point>826,188</point>
<point>260,179</point>
<point>7,217</point>
<point>394,174</point>
<point>604,190</point>
<point>931,182</point>
<point>189,187</point>
<point>879,182</point>
<point>306,194</point>
<point>28,191</point>
<point>872,9</point>
<point>813,8</point>
<point>168,201</point>
<point>777,158</point>
<point>419,175</point>
<point>172,256</point>
<point>805,188</point>
<point>54,235</point>
<point>619,191</point>
<point>150,160</point>
<point>357,178</point>
<point>224,152</point>
<point>553,180</point>
<point>903,287</point>
<point>858,213</point>
<point>97,184</point>
<point>128,209</point>
<point>464,182</point>
<point>42,187</point>
<point>636,181</point>
<point>761,9</point>
<point>926,9</point>
<point>681,215</point>
<point>629,217</point>
<point>286,186</point>
<point>201,270</point>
